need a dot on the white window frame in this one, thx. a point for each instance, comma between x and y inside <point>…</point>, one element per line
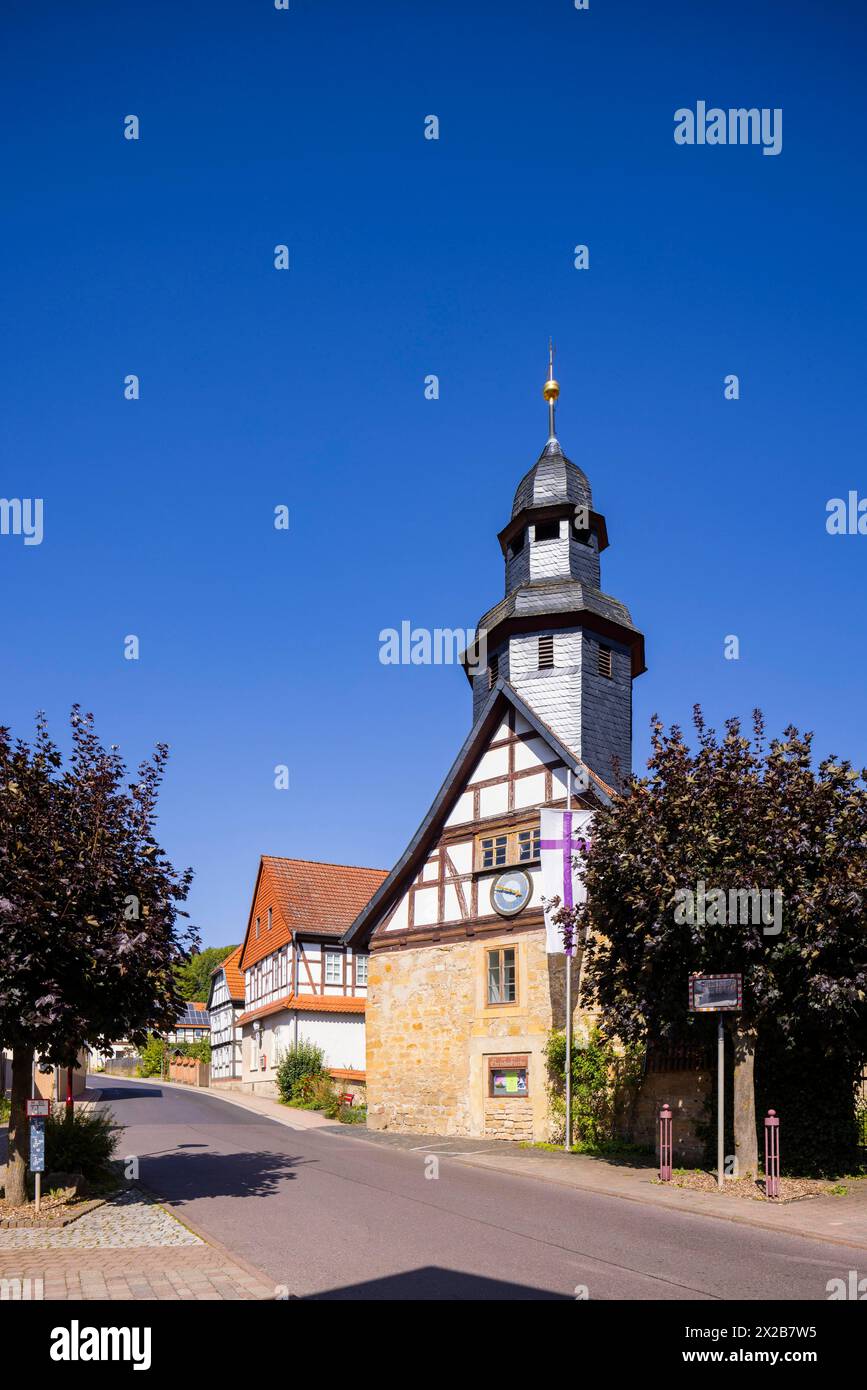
<point>330,958</point>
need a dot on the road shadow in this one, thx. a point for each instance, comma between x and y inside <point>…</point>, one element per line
<point>113,1093</point>
<point>433,1283</point>
<point>185,1174</point>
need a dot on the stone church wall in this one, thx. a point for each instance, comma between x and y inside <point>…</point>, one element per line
<point>431,1035</point>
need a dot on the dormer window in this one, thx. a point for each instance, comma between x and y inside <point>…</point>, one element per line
<point>547,530</point>
<point>546,652</point>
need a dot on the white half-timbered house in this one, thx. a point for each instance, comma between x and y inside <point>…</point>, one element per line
<point>300,980</point>
<point>225,1006</point>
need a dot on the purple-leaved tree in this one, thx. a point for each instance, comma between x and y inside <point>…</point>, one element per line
<point>89,916</point>
<point>739,818</point>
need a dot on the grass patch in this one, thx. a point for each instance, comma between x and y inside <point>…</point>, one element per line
<point>609,1149</point>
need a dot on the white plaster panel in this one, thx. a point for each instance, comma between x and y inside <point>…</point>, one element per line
<point>451,904</point>
<point>461,855</point>
<point>530,791</point>
<point>494,800</point>
<point>495,763</point>
<point>463,810</point>
<point>400,920</point>
<point>425,907</point>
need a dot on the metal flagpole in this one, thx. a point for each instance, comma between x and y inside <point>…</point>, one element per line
<point>720,1098</point>
<point>568,1143</point>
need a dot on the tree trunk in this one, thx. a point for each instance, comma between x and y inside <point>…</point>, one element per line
<point>16,1166</point>
<point>746,1141</point>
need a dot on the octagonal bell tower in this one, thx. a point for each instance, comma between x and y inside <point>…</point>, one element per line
<point>568,649</point>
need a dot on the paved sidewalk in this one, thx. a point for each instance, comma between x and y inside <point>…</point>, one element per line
<point>129,1248</point>
<point>200,1274</point>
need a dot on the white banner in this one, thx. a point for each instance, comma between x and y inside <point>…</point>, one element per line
<point>563,835</point>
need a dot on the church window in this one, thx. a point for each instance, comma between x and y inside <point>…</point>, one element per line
<point>546,652</point>
<point>501,976</point>
<point>547,530</point>
<point>604,662</point>
<point>516,544</point>
<point>493,850</point>
<point>493,670</point>
<point>518,846</point>
<point>528,844</point>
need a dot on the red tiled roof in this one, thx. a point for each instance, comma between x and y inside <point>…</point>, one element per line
<point>304,896</point>
<point>234,978</point>
<point>311,1003</point>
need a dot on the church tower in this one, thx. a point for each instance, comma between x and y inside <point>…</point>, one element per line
<point>568,649</point>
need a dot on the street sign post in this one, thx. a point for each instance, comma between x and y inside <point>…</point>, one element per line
<point>717,994</point>
<point>37,1152</point>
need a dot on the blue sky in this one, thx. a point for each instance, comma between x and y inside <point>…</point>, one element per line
<point>305,387</point>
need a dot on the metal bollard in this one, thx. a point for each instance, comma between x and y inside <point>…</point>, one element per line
<point>772,1154</point>
<point>665,1140</point>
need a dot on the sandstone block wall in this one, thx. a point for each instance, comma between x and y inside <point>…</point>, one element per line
<point>431,1034</point>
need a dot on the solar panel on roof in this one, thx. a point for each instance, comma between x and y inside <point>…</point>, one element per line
<point>193,1017</point>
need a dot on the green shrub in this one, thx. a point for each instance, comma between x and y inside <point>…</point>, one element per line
<point>5,1107</point>
<point>603,1080</point>
<point>81,1141</point>
<point>298,1062</point>
<point>156,1050</point>
<point>352,1114</point>
<point>152,1055</point>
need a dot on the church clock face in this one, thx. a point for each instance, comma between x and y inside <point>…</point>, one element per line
<point>510,892</point>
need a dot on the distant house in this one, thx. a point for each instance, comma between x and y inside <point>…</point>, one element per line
<point>300,980</point>
<point>225,1006</point>
<point>193,1025</point>
<point>50,1085</point>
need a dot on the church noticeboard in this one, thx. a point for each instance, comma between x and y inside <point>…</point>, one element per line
<point>508,1076</point>
<point>716,994</point>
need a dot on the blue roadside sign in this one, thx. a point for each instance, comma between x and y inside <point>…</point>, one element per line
<point>37,1145</point>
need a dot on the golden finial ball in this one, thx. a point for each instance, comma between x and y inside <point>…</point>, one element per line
<point>551,390</point>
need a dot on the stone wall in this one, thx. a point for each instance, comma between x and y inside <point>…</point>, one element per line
<point>687,1092</point>
<point>431,1033</point>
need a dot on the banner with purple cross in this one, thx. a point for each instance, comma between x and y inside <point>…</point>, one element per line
<point>563,835</point>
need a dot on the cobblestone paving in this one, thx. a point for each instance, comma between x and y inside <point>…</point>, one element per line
<point>129,1221</point>
<point>128,1249</point>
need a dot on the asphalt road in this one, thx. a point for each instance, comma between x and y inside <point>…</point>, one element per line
<point>333,1216</point>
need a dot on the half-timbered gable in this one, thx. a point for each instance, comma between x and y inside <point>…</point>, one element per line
<point>484,819</point>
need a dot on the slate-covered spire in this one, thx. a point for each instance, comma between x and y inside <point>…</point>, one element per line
<point>569,649</point>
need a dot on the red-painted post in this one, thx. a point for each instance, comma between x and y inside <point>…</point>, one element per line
<point>772,1154</point>
<point>69,1100</point>
<point>665,1143</point>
